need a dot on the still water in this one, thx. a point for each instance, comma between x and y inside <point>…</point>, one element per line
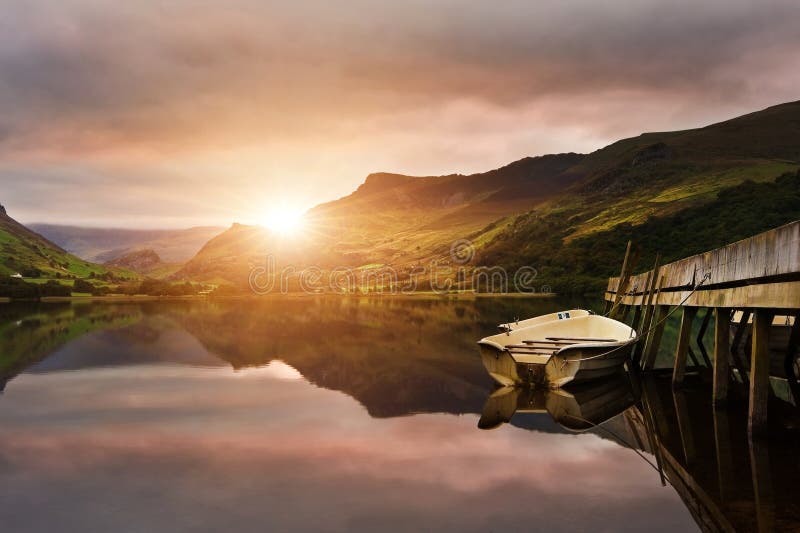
<point>333,414</point>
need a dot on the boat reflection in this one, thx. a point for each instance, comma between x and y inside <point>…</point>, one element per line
<point>576,409</point>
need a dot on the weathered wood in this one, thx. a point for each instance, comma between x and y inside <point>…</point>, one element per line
<point>624,276</point>
<point>762,486</point>
<point>654,340</point>
<point>683,345</point>
<point>779,295</point>
<point>722,332</point>
<point>701,335</point>
<point>684,426</point>
<point>581,339</point>
<point>773,253</point>
<point>759,373</point>
<point>649,309</point>
<point>737,340</point>
<point>722,443</point>
<point>644,304</point>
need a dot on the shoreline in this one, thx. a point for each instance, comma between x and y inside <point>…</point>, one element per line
<point>148,298</point>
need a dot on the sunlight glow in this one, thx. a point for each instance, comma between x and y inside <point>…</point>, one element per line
<point>284,221</point>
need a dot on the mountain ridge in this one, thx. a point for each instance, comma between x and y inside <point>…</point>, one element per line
<point>398,220</point>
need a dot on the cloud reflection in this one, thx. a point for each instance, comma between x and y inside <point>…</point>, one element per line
<point>168,447</point>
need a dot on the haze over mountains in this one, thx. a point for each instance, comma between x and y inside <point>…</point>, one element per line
<point>106,244</point>
<point>568,215</point>
<point>530,210</point>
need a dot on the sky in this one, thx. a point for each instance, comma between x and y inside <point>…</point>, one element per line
<point>177,113</point>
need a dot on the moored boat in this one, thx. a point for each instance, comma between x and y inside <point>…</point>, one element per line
<point>519,324</point>
<point>558,351</point>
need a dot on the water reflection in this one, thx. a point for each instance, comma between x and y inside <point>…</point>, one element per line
<point>577,409</point>
<point>342,414</point>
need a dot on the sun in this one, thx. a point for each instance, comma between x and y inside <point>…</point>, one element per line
<point>284,221</point>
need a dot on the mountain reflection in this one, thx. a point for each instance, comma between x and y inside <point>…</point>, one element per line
<point>149,387</point>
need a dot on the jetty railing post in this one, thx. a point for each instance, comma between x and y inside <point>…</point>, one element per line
<point>648,308</point>
<point>722,340</point>
<point>759,373</point>
<point>682,349</point>
<point>654,340</point>
<point>737,339</point>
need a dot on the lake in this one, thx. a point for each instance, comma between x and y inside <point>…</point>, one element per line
<point>344,414</point>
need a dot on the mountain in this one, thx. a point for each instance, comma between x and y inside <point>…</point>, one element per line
<point>676,193</point>
<point>25,252</point>
<point>390,219</point>
<point>145,262</point>
<point>542,211</point>
<point>105,244</point>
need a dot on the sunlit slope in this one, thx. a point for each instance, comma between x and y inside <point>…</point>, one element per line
<point>525,212</point>
<point>390,219</point>
<point>28,253</point>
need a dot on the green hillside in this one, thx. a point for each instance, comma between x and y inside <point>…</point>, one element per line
<point>582,264</point>
<point>26,254</point>
<point>564,214</point>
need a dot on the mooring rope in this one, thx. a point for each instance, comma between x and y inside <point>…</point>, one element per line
<point>620,440</point>
<point>649,330</point>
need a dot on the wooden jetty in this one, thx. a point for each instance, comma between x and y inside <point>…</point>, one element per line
<point>759,276</point>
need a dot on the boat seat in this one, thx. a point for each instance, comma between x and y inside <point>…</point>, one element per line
<point>531,358</point>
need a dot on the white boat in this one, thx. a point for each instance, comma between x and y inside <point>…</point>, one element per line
<point>557,351</point>
<point>519,324</point>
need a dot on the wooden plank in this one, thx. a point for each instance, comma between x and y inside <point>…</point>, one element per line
<point>772,253</point>
<point>759,373</point>
<point>582,339</point>
<point>550,343</point>
<point>722,349</point>
<point>782,295</point>
<point>682,349</point>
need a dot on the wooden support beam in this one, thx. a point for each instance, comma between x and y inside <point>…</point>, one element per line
<point>737,340</point>
<point>722,441</point>
<point>684,427</point>
<point>682,350</point>
<point>722,353</point>
<point>759,373</point>
<point>624,278</point>
<point>637,316</point>
<point>654,339</point>
<point>701,335</point>
<point>762,486</point>
<point>647,298</point>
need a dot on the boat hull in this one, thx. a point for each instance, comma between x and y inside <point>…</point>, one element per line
<point>573,347</point>
<point>584,364</point>
<point>574,366</point>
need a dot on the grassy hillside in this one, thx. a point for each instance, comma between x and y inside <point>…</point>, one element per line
<point>390,219</point>
<point>583,264</point>
<point>28,253</point>
<point>543,212</point>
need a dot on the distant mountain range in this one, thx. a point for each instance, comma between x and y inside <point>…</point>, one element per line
<point>101,245</point>
<point>543,211</point>
<point>568,215</point>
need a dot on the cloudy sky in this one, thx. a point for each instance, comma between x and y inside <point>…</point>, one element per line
<point>177,113</point>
